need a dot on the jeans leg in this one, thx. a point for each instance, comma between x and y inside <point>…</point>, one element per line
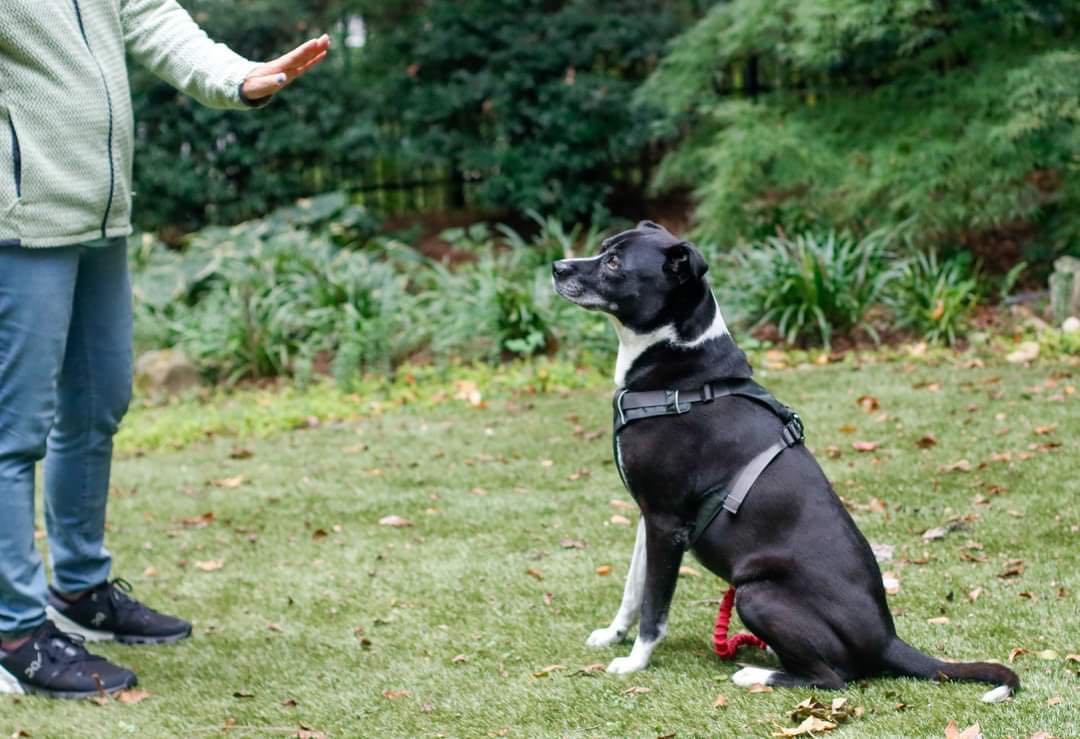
<point>93,395</point>
<point>36,291</point>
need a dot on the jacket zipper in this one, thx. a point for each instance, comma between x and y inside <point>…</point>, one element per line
<point>108,103</point>
<point>16,157</point>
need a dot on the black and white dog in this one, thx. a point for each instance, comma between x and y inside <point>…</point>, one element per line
<point>806,578</point>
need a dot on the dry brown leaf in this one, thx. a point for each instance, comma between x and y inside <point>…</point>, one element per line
<point>1042,735</point>
<point>572,544</point>
<point>306,732</point>
<point>971,732</point>
<point>603,570</point>
<point>622,505</point>
<point>974,594</point>
<point>865,446</point>
<point>134,695</point>
<point>546,671</point>
<point>720,702</point>
<point>619,520</point>
<point>689,571</point>
<point>847,428</point>
<point>868,403</point>
<point>926,441</point>
<point>458,659</point>
<point>1013,568</point>
<point>960,465</point>
<point>759,688</point>
<point>230,483</point>
<point>1056,700</point>
<point>395,521</point>
<point>393,695</point>
<point>199,522</point>
<point>637,690</point>
<point>810,726</point>
<point>1016,652</point>
<point>151,571</point>
<point>534,573</point>
<point>938,621</point>
<point>1047,429</point>
<point>241,453</point>
<point>210,565</point>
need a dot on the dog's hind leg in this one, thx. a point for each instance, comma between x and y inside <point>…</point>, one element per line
<point>633,592</point>
<point>665,542</point>
<point>793,632</point>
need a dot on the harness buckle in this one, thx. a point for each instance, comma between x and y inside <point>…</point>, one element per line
<point>707,392</point>
<point>794,433</point>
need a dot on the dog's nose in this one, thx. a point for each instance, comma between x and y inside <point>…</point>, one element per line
<point>561,268</point>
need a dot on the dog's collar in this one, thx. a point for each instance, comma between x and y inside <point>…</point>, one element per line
<point>631,406</point>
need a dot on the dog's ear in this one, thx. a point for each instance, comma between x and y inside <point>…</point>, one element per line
<point>685,262</point>
<point>650,224</point>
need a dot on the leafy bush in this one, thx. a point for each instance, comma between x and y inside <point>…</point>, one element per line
<point>832,114</point>
<point>813,287</point>
<point>934,297</point>
<point>264,299</point>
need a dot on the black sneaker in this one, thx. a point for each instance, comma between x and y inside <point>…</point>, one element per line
<point>108,613</point>
<point>56,664</point>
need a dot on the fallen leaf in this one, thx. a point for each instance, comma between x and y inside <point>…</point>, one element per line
<point>243,694</point>
<point>134,695</point>
<point>623,505</point>
<point>865,446</point>
<point>1056,700</point>
<point>619,520</point>
<point>306,732</point>
<point>1013,568</point>
<point>811,725</point>
<point>210,565</point>
<point>890,582</point>
<point>546,671</point>
<point>1016,652</point>
<point>592,669</point>
<point>393,695</point>
<point>241,453</point>
<point>882,552</point>
<point>1042,735</point>
<point>395,521</point>
<point>1072,657</point>
<point>938,621</point>
<point>572,544</point>
<point>759,688</point>
<point>868,403</point>
<point>274,627</point>
<point>199,522</point>
<point>847,428</point>
<point>458,659</point>
<point>974,594</point>
<point>534,573</point>
<point>961,465</point>
<point>926,441</point>
<point>720,702</point>
<point>603,570</point>
<point>1047,429</point>
<point>230,483</point>
<point>971,732</point>
<point>689,571</point>
<point>637,690</point>
<point>547,463</point>
<point>290,703</point>
<point>151,571</point>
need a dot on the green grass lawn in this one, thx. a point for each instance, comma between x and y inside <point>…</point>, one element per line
<point>313,614</point>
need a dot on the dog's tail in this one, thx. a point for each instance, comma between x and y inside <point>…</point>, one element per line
<point>904,659</point>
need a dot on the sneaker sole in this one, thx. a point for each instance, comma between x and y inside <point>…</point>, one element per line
<point>66,625</point>
<point>11,685</point>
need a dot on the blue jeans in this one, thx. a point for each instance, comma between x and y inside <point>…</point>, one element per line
<point>65,383</point>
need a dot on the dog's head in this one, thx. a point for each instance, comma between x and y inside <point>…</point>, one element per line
<point>644,277</point>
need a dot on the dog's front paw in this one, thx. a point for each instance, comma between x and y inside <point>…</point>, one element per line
<point>624,665</point>
<point>605,637</point>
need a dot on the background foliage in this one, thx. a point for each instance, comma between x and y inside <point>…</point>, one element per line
<point>853,114</point>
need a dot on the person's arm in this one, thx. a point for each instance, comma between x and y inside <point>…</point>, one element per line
<point>160,35</point>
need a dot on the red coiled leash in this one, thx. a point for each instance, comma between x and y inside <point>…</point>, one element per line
<point>724,646</point>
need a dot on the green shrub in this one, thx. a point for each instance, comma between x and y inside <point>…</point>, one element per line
<point>813,287</point>
<point>934,297</point>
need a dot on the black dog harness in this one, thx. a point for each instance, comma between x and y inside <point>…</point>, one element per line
<point>729,495</point>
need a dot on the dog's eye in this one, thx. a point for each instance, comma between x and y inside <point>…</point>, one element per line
<point>612,263</point>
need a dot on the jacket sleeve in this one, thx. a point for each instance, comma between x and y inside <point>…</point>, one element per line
<point>160,35</point>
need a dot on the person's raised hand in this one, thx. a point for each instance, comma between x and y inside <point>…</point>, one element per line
<point>268,78</point>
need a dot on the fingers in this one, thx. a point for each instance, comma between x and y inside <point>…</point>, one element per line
<point>301,55</point>
<point>270,77</point>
